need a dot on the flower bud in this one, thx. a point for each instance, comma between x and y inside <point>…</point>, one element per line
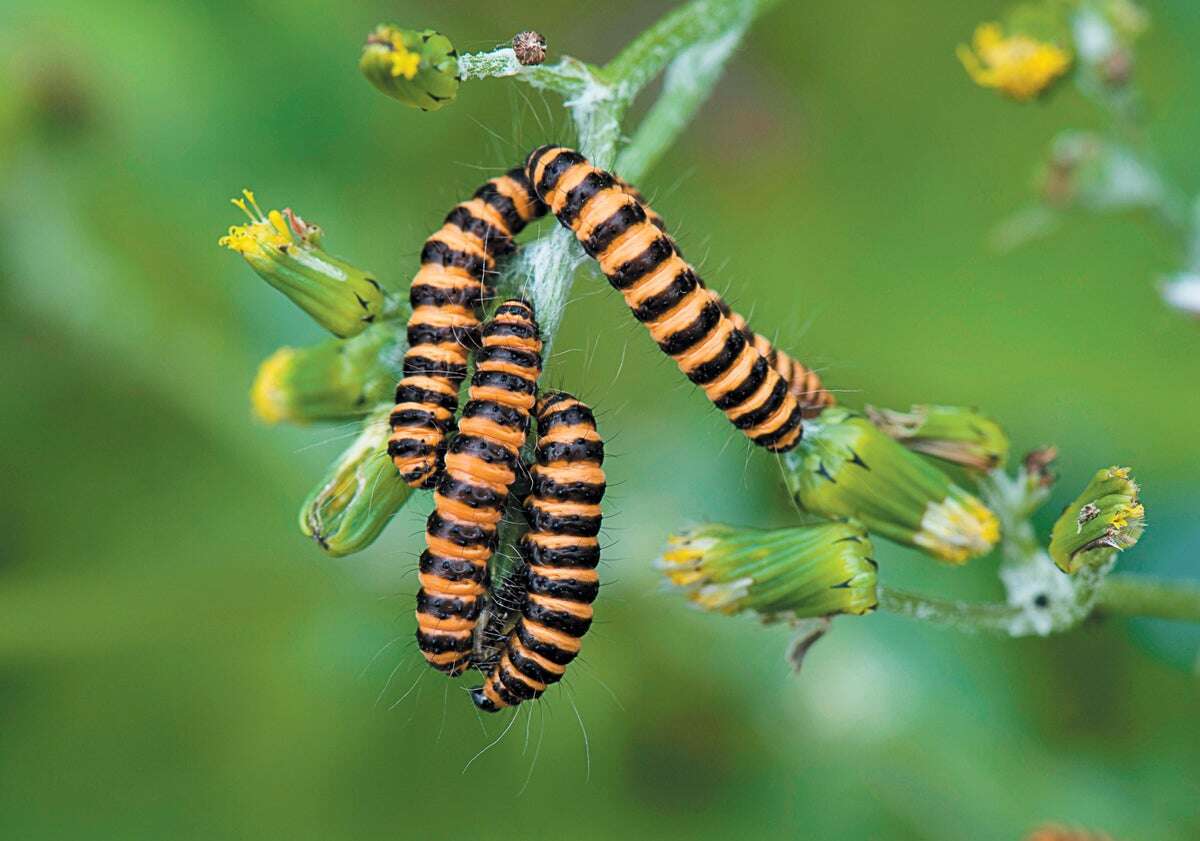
<point>333,380</point>
<point>781,574</point>
<point>1107,516</point>
<point>1018,64</point>
<point>359,494</point>
<point>286,252</point>
<point>956,434</point>
<point>845,467</point>
<point>419,69</point>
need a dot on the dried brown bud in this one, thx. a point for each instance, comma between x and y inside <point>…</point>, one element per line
<point>1038,464</point>
<point>1117,67</point>
<point>530,47</point>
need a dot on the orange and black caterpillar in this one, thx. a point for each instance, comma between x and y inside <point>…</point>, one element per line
<point>559,552</point>
<point>641,261</point>
<point>481,465</point>
<point>447,294</point>
<point>802,381</point>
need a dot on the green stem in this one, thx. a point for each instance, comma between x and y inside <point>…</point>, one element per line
<point>696,22</point>
<point>1131,595</point>
<point>962,616</point>
<point>1122,595</point>
<point>688,82</point>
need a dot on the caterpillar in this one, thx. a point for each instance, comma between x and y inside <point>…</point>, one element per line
<point>559,552</point>
<point>803,382</point>
<point>447,295</point>
<point>481,465</point>
<point>664,293</point>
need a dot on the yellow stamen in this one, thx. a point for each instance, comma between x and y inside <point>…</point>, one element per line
<point>263,231</point>
<point>1018,65</point>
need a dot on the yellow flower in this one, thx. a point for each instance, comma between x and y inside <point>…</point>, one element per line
<point>263,229</point>
<point>1017,65</point>
<point>404,63</point>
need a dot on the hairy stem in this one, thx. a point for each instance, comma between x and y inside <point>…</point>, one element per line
<point>1123,595</point>
<point>686,86</point>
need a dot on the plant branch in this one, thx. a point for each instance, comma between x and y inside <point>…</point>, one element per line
<point>1132,595</point>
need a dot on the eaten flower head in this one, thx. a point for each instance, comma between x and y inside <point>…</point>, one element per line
<point>1017,65</point>
<point>286,252</point>
<point>1105,518</point>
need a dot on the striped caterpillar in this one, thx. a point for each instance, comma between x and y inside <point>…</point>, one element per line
<point>560,553</point>
<point>665,293</point>
<point>447,295</point>
<point>481,465</point>
<point>803,382</point>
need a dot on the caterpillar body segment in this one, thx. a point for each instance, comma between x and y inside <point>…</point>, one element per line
<point>666,295</point>
<point>803,382</point>
<point>559,554</point>
<point>447,293</point>
<point>481,464</point>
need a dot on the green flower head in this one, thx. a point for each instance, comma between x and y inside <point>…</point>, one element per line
<point>1105,518</point>
<point>781,574</point>
<point>333,380</point>
<point>956,434</point>
<point>419,69</point>
<point>358,496</point>
<point>845,467</point>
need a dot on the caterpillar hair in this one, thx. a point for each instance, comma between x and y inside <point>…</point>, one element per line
<point>665,294</point>
<point>560,552</point>
<point>447,293</point>
<point>803,382</point>
<point>481,465</point>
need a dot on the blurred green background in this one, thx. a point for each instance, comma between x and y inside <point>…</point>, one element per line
<point>177,661</point>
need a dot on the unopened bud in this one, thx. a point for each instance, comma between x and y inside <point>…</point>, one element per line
<point>358,496</point>
<point>333,380</point>
<point>956,434</point>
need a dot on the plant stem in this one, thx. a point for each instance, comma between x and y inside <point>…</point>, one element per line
<point>1132,595</point>
<point>1122,595</point>
<point>696,22</point>
<point>688,82</point>
<point>962,616</point>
